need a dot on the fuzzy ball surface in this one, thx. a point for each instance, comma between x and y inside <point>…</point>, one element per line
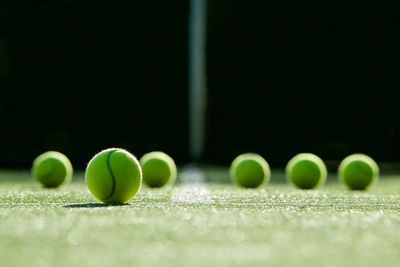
<point>52,169</point>
<point>113,176</point>
<point>250,170</point>
<point>158,169</point>
<point>358,172</point>
<point>306,171</point>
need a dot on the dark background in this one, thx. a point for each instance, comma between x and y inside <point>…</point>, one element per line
<point>283,78</point>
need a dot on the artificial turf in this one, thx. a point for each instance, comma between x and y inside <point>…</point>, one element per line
<point>191,224</point>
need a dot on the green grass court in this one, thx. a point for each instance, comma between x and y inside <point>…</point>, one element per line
<point>209,224</point>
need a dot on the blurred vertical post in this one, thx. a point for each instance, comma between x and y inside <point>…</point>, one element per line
<point>197,76</point>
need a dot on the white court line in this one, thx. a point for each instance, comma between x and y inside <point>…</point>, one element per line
<point>208,203</point>
<point>193,189</point>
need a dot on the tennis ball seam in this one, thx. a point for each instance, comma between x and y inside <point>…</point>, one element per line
<point>113,186</point>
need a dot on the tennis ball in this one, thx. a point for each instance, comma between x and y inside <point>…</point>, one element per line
<point>358,171</point>
<point>158,169</point>
<point>113,176</point>
<point>52,169</point>
<point>249,170</point>
<point>306,171</point>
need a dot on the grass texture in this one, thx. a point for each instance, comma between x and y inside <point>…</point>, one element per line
<point>200,224</point>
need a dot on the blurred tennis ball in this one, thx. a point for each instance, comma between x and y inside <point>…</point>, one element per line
<point>306,171</point>
<point>158,169</point>
<point>250,170</point>
<point>52,169</point>
<point>358,172</point>
<point>113,176</point>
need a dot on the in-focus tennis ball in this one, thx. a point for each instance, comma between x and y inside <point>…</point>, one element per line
<point>113,176</point>
<point>358,171</point>
<point>306,171</point>
<point>158,169</point>
<point>250,170</point>
<point>52,169</point>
